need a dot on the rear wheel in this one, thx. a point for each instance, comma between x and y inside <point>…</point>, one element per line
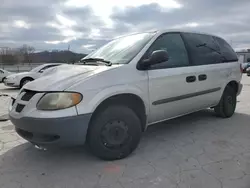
<point>25,81</point>
<point>114,133</point>
<point>227,104</point>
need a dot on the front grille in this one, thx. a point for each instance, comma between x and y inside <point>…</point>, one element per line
<point>28,95</point>
<point>19,107</point>
<point>9,84</point>
<point>37,137</point>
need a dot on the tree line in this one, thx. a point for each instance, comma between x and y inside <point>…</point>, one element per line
<point>27,54</point>
<point>16,55</point>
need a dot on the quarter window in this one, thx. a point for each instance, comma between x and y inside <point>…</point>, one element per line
<point>1,72</point>
<point>174,45</point>
<point>226,50</point>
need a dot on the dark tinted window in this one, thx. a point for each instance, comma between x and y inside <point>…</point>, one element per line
<point>226,50</point>
<point>203,49</point>
<point>174,45</point>
<point>1,72</point>
<point>47,67</point>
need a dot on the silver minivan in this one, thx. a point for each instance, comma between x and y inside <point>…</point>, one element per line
<point>134,81</point>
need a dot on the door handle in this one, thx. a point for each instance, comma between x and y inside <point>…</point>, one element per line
<point>202,77</point>
<point>190,79</point>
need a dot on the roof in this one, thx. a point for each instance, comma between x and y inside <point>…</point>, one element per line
<point>160,31</point>
<point>183,31</point>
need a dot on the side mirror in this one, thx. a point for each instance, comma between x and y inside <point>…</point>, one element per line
<point>156,57</point>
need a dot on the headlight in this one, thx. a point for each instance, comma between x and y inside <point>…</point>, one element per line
<point>11,77</point>
<point>59,100</point>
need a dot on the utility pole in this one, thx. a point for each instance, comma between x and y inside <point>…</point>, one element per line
<point>69,47</point>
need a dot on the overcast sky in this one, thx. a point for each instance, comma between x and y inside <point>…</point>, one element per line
<point>87,24</point>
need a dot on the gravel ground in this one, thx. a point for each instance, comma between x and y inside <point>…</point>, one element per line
<point>195,151</point>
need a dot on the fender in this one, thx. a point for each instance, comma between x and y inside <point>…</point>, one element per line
<point>106,93</point>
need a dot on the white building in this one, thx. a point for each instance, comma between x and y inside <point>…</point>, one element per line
<point>244,56</point>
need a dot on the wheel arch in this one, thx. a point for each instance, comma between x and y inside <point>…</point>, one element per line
<point>130,100</point>
<point>26,77</point>
<point>3,78</point>
<point>234,84</point>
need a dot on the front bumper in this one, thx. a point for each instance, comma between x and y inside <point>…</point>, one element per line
<point>11,83</point>
<point>64,131</point>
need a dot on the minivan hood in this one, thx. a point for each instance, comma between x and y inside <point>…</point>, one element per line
<point>65,76</point>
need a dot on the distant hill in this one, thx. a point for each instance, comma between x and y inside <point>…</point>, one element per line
<point>56,56</point>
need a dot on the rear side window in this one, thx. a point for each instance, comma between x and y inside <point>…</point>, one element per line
<point>203,49</point>
<point>1,71</point>
<point>49,66</point>
<point>226,50</point>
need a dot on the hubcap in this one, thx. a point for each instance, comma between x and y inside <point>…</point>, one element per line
<point>230,100</point>
<point>114,134</point>
<point>25,82</point>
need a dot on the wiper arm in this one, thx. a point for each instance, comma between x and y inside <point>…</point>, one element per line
<point>205,45</point>
<point>95,60</point>
<point>218,52</point>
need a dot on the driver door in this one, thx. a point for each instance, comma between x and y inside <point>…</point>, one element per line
<point>171,83</point>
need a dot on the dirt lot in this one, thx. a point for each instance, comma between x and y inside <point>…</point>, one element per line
<point>195,151</point>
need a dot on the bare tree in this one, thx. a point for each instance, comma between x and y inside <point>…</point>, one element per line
<point>8,55</point>
<point>26,52</point>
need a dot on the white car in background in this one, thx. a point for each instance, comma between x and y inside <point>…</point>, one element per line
<point>4,74</point>
<point>20,79</point>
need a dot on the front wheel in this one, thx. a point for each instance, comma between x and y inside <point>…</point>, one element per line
<point>3,79</point>
<point>25,81</point>
<point>227,104</point>
<point>114,133</point>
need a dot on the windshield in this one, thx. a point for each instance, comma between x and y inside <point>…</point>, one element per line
<point>122,50</point>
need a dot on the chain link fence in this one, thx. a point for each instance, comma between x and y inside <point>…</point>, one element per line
<point>19,67</point>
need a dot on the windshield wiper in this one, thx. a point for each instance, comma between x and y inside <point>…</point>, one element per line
<point>218,52</point>
<point>95,61</point>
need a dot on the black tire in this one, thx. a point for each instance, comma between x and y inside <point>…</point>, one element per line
<point>126,127</point>
<point>25,81</point>
<point>3,79</point>
<point>227,104</point>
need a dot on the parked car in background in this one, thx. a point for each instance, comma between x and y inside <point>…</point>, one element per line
<point>20,79</point>
<point>245,66</point>
<point>4,74</point>
<point>53,70</point>
<point>248,71</point>
<point>125,86</point>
